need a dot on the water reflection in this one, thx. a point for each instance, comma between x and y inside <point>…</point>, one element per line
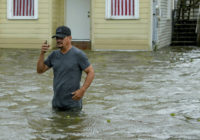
<point>135,95</point>
<point>54,125</point>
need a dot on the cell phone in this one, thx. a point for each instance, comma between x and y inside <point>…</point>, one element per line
<point>46,42</point>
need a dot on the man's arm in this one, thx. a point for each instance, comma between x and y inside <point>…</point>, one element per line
<point>88,80</point>
<point>41,67</point>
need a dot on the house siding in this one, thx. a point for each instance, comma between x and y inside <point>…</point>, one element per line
<point>165,26</point>
<point>24,33</point>
<point>58,7</point>
<point>121,34</point>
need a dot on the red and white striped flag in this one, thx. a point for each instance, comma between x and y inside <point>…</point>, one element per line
<point>122,7</point>
<point>23,8</point>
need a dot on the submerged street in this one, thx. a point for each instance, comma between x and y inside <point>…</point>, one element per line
<point>145,95</point>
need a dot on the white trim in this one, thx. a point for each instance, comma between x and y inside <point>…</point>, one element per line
<point>10,11</point>
<point>173,4</point>
<point>108,11</point>
<point>151,27</point>
<point>159,12</point>
<point>169,9</point>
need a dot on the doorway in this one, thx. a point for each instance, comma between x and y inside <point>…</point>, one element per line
<point>78,19</point>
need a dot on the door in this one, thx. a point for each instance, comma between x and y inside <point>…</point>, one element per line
<point>78,18</point>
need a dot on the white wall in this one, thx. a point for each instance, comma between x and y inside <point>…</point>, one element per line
<point>165,23</point>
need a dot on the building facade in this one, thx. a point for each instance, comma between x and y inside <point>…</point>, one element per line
<point>105,24</point>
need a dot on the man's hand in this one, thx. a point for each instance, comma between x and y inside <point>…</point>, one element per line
<point>45,47</point>
<point>78,94</point>
<point>41,67</point>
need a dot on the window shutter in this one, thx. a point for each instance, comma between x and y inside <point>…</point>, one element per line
<point>122,7</point>
<point>23,8</point>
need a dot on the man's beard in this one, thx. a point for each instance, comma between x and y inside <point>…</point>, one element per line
<point>58,46</point>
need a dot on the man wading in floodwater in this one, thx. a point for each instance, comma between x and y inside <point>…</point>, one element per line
<point>68,63</point>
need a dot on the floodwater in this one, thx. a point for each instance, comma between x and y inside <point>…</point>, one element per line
<point>135,95</point>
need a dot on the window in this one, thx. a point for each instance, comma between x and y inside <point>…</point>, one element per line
<point>22,9</point>
<point>122,9</point>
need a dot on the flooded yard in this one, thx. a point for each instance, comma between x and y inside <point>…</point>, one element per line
<point>135,95</point>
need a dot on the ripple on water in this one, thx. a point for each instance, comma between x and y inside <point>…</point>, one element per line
<point>132,97</point>
<point>7,104</point>
<point>25,89</point>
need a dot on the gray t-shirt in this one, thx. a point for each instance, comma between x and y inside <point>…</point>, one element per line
<point>67,69</point>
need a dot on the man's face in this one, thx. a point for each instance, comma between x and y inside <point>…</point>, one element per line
<point>61,42</point>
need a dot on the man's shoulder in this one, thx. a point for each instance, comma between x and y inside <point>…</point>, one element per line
<point>77,50</point>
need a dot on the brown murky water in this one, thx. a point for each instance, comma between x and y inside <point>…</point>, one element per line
<point>135,95</point>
